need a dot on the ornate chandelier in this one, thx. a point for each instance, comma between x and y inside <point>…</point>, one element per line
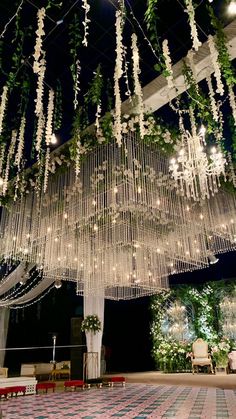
<point>119,229</point>
<point>196,175</point>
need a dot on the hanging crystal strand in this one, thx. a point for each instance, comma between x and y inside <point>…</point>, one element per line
<point>192,121</point>
<point>194,33</point>
<point>214,60</point>
<point>137,86</point>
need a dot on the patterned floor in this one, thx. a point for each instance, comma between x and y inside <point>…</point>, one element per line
<point>135,401</point>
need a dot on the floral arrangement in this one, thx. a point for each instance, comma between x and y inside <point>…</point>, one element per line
<point>91,323</point>
<point>171,356</point>
<point>220,352</point>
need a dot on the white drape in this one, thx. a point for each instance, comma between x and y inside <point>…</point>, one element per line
<point>4,322</point>
<point>94,304</point>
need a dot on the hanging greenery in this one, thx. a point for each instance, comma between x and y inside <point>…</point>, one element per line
<point>152,18</point>
<point>75,41</point>
<point>57,122</point>
<point>221,44</point>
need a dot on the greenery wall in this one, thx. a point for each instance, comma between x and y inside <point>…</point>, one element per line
<point>204,319</point>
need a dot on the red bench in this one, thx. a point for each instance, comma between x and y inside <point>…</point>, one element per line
<point>3,392</point>
<point>45,386</point>
<point>116,380</point>
<point>14,390</point>
<point>73,384</point>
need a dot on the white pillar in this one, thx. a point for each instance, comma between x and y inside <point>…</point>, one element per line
<point>94,304</point>
<point>4,322</point>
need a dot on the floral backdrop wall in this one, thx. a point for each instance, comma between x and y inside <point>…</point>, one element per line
<point>185,313</point>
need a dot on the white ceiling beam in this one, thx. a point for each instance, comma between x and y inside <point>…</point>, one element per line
<point>157,94</point>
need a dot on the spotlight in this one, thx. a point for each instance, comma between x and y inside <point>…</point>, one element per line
<point>58,283</point>
<point>212,259</point>
<point>232,8</point>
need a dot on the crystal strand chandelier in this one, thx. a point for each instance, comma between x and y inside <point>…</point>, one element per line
<point>197,175</point>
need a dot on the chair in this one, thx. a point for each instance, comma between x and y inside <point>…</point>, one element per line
<point>62,368</point>
<point>3,372</point>
<point>232,360</point>
<point>200,356</point>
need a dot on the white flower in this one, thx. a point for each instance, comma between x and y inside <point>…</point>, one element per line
<point>137,86</point>
<point>49,117</point>
<point>3,103</point>
<point>215,64</point>
<point>194,34</point>
<point>86,21</point>
<point>166,55</point>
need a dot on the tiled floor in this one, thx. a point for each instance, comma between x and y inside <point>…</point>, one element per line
<point>135,401</point>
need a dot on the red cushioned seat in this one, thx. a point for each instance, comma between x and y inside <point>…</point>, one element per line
<point>3,392</point>
<point>45,386</point>
<point>74,384</point>
<point>112,380</point>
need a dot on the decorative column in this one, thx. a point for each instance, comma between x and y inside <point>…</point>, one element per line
<point>94,305</point>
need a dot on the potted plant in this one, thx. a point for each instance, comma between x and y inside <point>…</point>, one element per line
<point>220,353</point>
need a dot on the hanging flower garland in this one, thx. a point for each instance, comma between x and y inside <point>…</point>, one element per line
<point>49,123</point>
<point>39,41</point>
<point>77,84</point>
<point>40,87</point>
<point>39,133</point>
<point>46,170</point>
<point>20,148</point>
<point>77,157</point>
<point>194,34</point>
<point>9,157</point>
<point>117,76</point>
<point>86,21</point>
<point>2,157</point>
<point>215,64</point>
<point>48,137</point>
<point>168,64</point>
<point>232,102</point>
<point>214,108</point>
<point>3,104</point>
<point>137,86</point>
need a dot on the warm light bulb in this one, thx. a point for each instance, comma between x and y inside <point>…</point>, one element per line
<point>53,139</point>
<point>232,8</point>
<point>1,181</point>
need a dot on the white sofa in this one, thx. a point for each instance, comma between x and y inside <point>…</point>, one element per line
<point>36,370</point>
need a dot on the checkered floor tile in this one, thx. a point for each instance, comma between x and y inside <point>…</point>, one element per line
<point>135,401</point>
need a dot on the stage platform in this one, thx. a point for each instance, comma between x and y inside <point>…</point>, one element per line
<point>29,382</point>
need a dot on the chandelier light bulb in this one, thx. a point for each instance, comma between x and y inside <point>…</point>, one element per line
<point>58,283</point>
<point>212,259</point>
<point>232,8</point>
<point>213,150</point>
